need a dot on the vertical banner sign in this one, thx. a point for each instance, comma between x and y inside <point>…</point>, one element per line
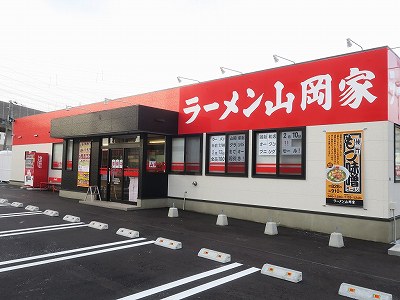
<point>344,168</point>
<point>84,164</point>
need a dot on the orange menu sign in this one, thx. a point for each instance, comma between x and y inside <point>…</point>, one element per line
<point>344,168</point>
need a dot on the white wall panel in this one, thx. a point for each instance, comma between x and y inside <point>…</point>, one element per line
<point>306,194</point>
<point>18,160</point>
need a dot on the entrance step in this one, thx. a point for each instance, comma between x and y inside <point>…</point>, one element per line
<point>141,204</point>
<point>112,205</point>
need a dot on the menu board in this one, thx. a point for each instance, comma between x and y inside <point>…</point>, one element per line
<point>84,164</point>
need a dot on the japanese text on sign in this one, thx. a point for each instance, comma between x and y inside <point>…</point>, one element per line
<point>318,89</point>
<point>237,148</point>
<point>344,168</point>
<point>291,143</point>
<point>267,143</point>
<point>217,148</point>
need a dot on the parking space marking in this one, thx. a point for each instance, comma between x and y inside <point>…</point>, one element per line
<point>18,260</point>
<point>179,282</point>
<point>49,261</point>
<point>41,227</point>
<point>20,214</point>
<point>212,284</point>
<point>43,230</point>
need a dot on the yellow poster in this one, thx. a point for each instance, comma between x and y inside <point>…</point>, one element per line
<point>84,164</point>
<point>344,168</point>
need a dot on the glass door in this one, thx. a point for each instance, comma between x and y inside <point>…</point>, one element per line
<point>116,175</point>
<point>131,173</point>
<point>104,174</point>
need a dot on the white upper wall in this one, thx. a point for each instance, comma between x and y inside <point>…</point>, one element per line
<point>308,194</point>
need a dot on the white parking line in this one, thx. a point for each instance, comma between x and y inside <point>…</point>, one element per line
<point>18,260</point>
<point>42,227</point>
<point>43,230</point>
<point>21,214</point>
<point>49,261</point>
<point>211,284</point>
<point>179,282</point>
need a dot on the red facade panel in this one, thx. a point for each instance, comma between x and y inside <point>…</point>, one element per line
<point>36,129</point>
<point>343,89</point>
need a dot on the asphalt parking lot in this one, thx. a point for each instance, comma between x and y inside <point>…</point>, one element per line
<point>44,257</point>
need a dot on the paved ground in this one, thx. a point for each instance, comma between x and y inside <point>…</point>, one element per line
<point>131,267</point>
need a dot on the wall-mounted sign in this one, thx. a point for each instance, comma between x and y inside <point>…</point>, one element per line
<point>84,164</point>
<point>344,172</point>
<point>342,89</point>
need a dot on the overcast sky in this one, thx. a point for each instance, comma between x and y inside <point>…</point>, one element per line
<point>55,53</point>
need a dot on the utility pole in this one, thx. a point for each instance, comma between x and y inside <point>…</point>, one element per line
<point>10,119</point>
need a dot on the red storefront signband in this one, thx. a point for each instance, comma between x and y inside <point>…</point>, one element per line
<point>344,89</point>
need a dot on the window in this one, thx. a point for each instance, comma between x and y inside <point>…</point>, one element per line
<point>56,159</point>
<point>227,154</point>
<point>279,153</point>
<point>70,151</point>
<point>397,153</point>
<point>186,155</point>
<point>155,154</point>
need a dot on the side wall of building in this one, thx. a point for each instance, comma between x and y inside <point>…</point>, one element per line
<point>301,203</point>
<point>18,161</point>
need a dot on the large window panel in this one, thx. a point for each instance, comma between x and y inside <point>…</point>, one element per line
<point>70,152</point>
<point>56,158</point>
<point>217,154</point>
<point>236,154</point>
<point>193,154</point>
<point>290,159</point>
<point>186,155</point>
<point>279,153</point>
<point>178,155</point>
<point>156,154</point>
<point>227,154</point>
<point>397,153</point>
<point>266,145</point>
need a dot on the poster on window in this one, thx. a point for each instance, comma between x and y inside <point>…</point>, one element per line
<point>237,148</point>
<point>291,143</point>
<point>344,172</point>
<point>83,164</point>
<point>397,153</point>
<point>217,154</point>
<point>217,151</point>
<point>267,144</point>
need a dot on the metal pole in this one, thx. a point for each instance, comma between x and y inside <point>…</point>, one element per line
<point>394,223</point>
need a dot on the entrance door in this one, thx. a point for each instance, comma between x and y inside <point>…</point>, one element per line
<point>131,173</point>
<point>116,175</point>
<point>119,174</point>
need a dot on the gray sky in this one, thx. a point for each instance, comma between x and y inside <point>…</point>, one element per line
<point>55,53</point>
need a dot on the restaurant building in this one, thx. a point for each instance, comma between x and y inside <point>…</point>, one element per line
<point>314,146</point>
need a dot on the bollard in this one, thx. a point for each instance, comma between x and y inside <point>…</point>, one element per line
<point>222,220</point>
<point>336,240</point>
<point>270,228</point>
<point>173,211</point>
